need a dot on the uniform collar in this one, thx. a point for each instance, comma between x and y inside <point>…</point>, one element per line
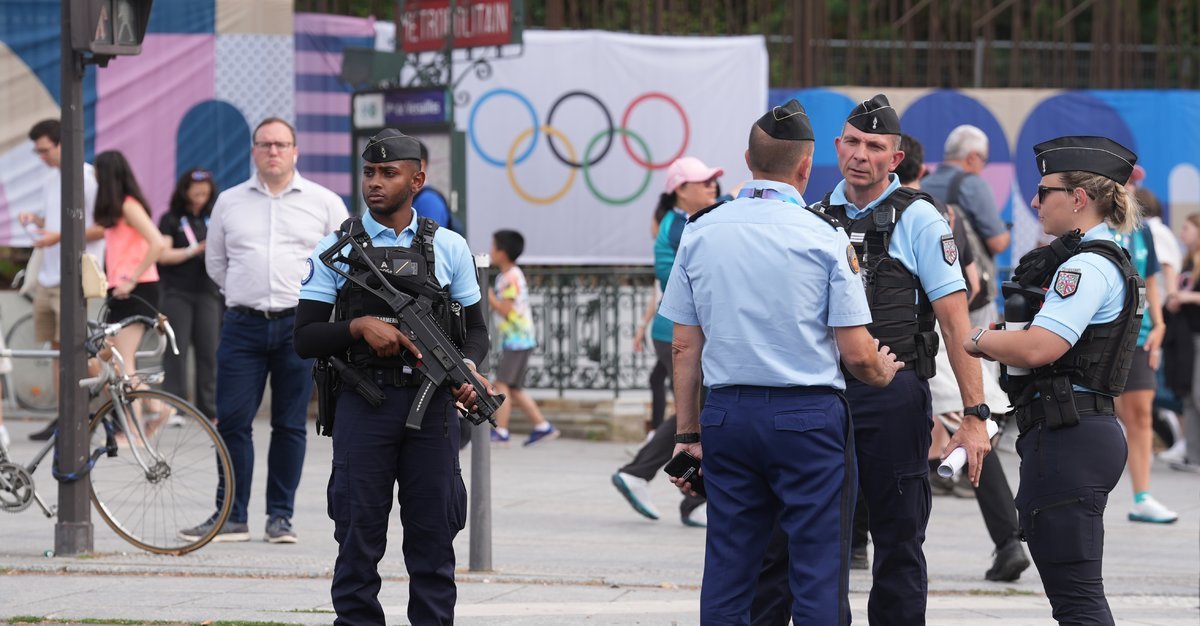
<point>783,188</point>
<point>373,227</point>
<point>839,196</point>
<point>1098,232</point>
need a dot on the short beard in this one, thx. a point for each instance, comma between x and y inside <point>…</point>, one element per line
<point>392,209</point>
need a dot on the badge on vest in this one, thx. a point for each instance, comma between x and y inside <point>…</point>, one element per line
<point>949,249</point>
<point>852,258</point>
<point>308,273</point>
<point>1067,283</point>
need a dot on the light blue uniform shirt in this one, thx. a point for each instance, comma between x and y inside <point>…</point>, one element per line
<point>1099,293</point>
<point>454,264</point>
<point>916,241</point>
<point>766,280</point>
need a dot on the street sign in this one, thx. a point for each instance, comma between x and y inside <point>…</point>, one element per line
<point>425,25</point>
<point>109,27</point>
<point>400,108</point>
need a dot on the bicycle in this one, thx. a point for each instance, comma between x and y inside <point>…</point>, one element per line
<point>154,479</point>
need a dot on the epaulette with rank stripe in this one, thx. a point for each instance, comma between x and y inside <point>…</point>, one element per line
<point>702,212</point>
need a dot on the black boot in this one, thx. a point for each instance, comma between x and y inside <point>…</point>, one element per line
<point>45,433</point>
<point>1010,562</point>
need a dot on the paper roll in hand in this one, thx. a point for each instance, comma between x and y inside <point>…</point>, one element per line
<point>954,463</point>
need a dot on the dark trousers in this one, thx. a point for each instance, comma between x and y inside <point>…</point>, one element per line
<point>995,500</point>
<point>373,452</point>
<point>777,456</point>
<point>892,438</point>
<point>1066,476</point>
<point>196,319</point>
<point>651,457</point>
<point>251,349</point>
<point>660,376</point>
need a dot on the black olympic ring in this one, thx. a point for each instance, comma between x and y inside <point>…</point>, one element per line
<point>607,117</point>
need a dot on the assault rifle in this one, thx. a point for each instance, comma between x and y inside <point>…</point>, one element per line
<point>441,360</point>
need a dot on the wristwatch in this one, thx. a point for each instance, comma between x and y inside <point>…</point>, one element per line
<point>977,336</point>
<point>687,437</point>
<point>982,411</point>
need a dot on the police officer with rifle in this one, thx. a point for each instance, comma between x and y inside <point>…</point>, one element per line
<point>390,306</point>
<point>1072,316</point>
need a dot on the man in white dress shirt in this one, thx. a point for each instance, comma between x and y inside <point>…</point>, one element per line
<point>259,238</point>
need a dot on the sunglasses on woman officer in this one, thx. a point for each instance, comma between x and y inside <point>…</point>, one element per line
<point>1043,191</point>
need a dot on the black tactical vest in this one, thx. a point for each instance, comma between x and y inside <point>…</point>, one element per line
<point>410,270</point>
<point>1101,358</point>
<point>902,317</point>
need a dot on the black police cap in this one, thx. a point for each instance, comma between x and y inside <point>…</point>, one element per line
<point>390,144</point>
<point>875,116</point>
<point>788,122</point>
<point>1098,155</point>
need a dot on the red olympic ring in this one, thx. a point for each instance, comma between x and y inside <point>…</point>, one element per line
<point>625,124</point>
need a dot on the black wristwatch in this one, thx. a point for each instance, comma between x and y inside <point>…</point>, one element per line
<point>687,437</point>
<point>982,411</point>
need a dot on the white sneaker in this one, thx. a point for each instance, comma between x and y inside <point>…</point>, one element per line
<point>1176,453</point>
<point>5,439</point>
<point>1152,511</point>
<point>637,492</point>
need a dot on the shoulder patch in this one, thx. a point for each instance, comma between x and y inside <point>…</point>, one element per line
<point>949,249</point>
<point>1067,282</point>
<point>852,258</point>
<point>308,272</point>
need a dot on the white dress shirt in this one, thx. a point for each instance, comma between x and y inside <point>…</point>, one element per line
<point>258,243</point>
<point>50,272</point>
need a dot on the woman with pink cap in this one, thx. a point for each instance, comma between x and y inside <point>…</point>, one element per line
<point>691,185</point>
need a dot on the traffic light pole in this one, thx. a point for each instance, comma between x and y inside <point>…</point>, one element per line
<point>73,533</point>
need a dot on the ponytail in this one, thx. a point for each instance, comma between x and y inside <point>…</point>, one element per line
<point>1116,205</point>
<point>666,202</point>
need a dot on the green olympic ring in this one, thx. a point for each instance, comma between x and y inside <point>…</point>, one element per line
<point>587,177</point>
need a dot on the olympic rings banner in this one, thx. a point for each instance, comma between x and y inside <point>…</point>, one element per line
<point>570,142</point>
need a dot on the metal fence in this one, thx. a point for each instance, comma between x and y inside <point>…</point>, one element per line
<point>585,319</point>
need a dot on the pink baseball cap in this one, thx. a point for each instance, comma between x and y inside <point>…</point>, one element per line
<point>689,170</point>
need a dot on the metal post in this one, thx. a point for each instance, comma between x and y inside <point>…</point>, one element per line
<point>480,547</point>
<point>979,52</point>
<point>73,531</point>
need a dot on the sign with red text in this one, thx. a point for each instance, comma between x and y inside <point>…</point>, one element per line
<point>425,25</point>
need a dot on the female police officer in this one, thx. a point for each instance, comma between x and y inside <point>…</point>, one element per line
<point>1075,355</point>
<point>372,448</point>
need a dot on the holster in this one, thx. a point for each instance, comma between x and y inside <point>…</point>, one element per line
<point>327,382</point>
<point>1058,402</point>
<point>927,349</point>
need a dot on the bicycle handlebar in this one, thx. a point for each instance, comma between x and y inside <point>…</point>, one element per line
<point>166,335</point>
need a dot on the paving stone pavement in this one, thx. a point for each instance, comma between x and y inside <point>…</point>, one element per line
<point>567,549</point>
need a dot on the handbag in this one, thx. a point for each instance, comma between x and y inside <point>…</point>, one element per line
<point>95,284</point>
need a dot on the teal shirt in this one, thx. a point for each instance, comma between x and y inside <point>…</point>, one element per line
<point>666,245</point>
<point>1141,252</point>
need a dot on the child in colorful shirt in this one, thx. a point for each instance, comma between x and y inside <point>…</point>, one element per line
<point>510,301</point>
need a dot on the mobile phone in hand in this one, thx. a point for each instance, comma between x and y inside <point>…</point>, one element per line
<point>687,468</point>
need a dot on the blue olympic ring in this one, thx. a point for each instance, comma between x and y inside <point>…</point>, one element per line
<point>532,116</point>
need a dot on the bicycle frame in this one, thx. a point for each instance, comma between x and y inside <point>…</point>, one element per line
<point>112,377</point>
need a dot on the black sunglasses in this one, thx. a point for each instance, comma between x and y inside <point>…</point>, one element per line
<point>1042,191</point>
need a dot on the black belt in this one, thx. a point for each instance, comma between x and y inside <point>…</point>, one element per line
<point>395,377</point>
<point>267,315</point>
<point>1086,403</point>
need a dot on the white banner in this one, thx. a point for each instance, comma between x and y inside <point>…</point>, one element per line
<point>569,143</point>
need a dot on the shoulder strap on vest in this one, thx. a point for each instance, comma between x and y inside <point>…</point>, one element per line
<point>818,210</point>
<point>1109,250</point>
<point>888,212</point>
<point>426,228</point>
<point>353,226</point>
<point>705,211</point>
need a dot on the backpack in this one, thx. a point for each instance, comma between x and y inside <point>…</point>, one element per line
<point>985,263</point>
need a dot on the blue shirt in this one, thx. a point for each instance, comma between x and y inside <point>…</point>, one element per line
<point>430,203</point>
<point>670,232</point>
<point>1099,292</point>
<point>974,198</point>
<point>454,264</point>
<point>766,281</point>
<point>916,241</point>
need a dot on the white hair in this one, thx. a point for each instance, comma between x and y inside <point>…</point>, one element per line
<point>964,140</point>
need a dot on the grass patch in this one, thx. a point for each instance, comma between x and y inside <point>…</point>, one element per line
<point>26,619</point>
<point>318,611</point>
<point>1006,592</point>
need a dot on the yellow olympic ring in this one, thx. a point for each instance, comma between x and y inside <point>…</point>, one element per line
<point>512,175</point>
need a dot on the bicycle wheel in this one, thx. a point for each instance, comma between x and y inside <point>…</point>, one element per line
<point>32,379</point>
<point>173,486</point>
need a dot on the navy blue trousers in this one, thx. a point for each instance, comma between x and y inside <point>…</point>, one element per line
<point>786,456</point>
<point>252,348</point>
<point>1066,476</point>
<point>373,452</point>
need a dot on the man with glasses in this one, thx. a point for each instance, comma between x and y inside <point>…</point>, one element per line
<point>259,238</point>
<point>45,228</point>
